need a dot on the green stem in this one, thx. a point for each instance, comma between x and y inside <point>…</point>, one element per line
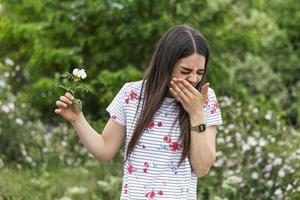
<point>75,88</point>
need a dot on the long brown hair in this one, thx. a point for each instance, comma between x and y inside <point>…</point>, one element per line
<point>178,42</point>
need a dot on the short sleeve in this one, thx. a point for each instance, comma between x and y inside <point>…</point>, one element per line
<point>116,107</point>
<point>212,110</point>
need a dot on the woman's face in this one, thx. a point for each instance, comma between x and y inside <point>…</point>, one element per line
<point>190,68</point>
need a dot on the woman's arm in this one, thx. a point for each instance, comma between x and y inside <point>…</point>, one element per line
<point>203,147</point>
<point>103,146</point>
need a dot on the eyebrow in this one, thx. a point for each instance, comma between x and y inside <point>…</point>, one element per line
<point>188,69</point>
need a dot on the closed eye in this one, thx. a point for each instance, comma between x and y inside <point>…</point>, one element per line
<point>185,73</point>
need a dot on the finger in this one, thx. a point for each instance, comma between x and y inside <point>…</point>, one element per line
<point>58,111</point>
<point>61,104</point>
<point>65,100</point>
<point>69,96</point>
<point>184,89</point>
<point>189,87</point>
<point>175,95</point>
<point>179,92</point>
<point>204,90</point>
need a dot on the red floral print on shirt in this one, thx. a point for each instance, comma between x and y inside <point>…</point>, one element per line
<point>159,124</point>
<point>167,139</point>
<point>151,124</point>
<point>175,146</point>
<point>206,103</point>
<point>214,108</point>
<point>133,95</point>
<point>150,195</point>
<point>126,188</point>
<point>146,165</point>
<point>130,168</point>
<point>126,100</point>
<point>114,116</point>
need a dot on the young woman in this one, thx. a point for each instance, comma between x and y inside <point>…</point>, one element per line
<point>168,121</point>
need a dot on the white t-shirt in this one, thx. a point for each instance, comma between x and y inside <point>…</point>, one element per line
<point>151,172</point>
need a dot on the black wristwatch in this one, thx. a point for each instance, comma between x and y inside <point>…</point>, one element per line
<point>200,128</point>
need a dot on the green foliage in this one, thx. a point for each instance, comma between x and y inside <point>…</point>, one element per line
<point>254,68</point>
<point>46,37</point>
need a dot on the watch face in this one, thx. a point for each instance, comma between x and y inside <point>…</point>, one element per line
<point>202,127</point>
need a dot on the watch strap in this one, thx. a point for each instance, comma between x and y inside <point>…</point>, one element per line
<point>200,128</point>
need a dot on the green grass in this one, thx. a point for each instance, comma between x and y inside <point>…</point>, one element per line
<point>92,181</point>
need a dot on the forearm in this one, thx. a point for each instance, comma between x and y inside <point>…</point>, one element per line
<point>202,150</point>
<point>93,141</point>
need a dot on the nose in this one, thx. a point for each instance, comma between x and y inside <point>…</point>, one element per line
<point>192,79</point>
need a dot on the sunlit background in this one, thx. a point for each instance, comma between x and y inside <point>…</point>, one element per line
<point>254,70</point>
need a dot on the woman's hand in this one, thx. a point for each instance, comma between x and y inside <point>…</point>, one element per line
<point>191,99</point>
<point>66,108</point>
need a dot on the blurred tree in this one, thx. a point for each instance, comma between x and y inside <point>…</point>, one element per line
<point>46,38</point>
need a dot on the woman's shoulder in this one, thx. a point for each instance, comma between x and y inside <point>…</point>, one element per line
<point>211,92</point>
<point>133,85</point>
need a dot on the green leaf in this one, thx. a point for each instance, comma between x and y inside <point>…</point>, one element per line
<point>67,88</point>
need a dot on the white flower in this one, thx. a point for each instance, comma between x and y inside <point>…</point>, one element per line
<point>9,61</point>
<point>45,149</point>
<point>77,190</point>
<point>268,116</point>
<point>82,74</point>
<point>19,121</point>
<point>29,159</point>
<point>230,163</point>
<point>5,109</point>
<point>255,110</point>
<point>254,175</point>
<point>24,152</point>
<point>76,72</point>
<point>230,145</point>
<point>231,126</point>
<point>251,141</point>
<point>270,183</point>
<point>238,136</point>
<point>219,163</point>
<point>64,143</point>
<point>262,142</point>
<point>281,173</point>
<point>220,141</point>
<point>6,74</point>
<point>273,139</point>
<point>228,139</point>
<point>267,175</point>
<point>258,150</point>
<point>245,147</point>
<point>277,161</point>
<point>11,106</point>
<point>271,155</point>
<point>278,192</point>
<point>289,187</point>
<point>268,168</point>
